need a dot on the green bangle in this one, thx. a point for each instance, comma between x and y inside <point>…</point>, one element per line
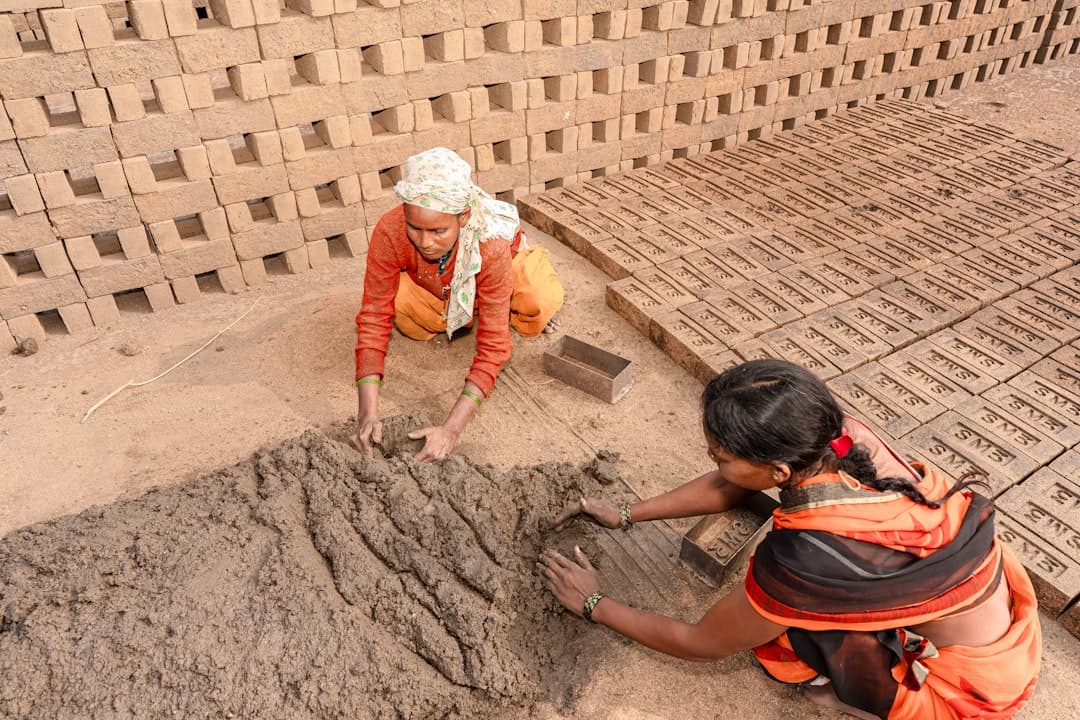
<point>472,396</point>
<point>625,521</point>
<point>590,605</point>
<point>369,381</point>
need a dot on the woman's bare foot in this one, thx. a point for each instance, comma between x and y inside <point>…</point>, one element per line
<point>825,696</point>
<point>552,326</point>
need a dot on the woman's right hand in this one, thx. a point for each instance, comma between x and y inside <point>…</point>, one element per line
<point>599,511</point>
<point>368,432</point>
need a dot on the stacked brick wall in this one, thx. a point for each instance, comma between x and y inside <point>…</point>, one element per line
<point>925,266</point>
<point>152,149</point>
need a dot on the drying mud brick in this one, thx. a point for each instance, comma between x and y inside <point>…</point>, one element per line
<point>787,349</point>
<point>996,318</point>
<point>1055,399</point>
<point>1025,311</point>
<point>24,328</point>
<point>581,235</point>
<point>1006,346</point>
<point>636,302</point>
<point>814,333</point>
<point>869,402</point>
<point>898,388</point>
<point>1055,575</point>
<point>654,249</point>
<point>685,341</point>
<point>90,216</point>
<point>174,199</point>
<point>899,303</point>
<point>198,257</point>
<point>1049,504</point>
<point>24,232</point>
<point>1054,300</point>
<point>767,303</point>
<point>120,276</point>
<point>40,73</point>
<point>701,272</point>
<point>671,290</point>
<point>65,148</point>
<point>616,258</point>
<point>416,584</point>
<point>1062,369</point>
<point>713,365</point>
<point>841,328</point>
<point>268,238</point>
<point>975,354</point>
<point>39,295</point>
<point>1000,420</point>
<point>997,262</point>
<point>875,322</point>
<point>716,323</point>
<point>969,275</point>
<point>1068,464</point>
<point>958,445</point>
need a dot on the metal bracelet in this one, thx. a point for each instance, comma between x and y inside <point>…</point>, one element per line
<point>590,605</point>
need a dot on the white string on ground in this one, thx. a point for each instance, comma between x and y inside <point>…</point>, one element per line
<point>132,383</point>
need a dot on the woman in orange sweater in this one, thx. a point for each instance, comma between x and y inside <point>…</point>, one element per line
<point>449,257</point>
<point>881,587</point>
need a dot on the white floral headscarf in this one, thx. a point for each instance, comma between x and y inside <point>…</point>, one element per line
<point>438,179</point>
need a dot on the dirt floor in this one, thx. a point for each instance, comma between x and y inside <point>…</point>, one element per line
<point>288,367</point>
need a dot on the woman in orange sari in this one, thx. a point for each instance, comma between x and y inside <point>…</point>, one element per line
<point>881,588</point>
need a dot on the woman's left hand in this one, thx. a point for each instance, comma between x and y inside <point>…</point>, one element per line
<point>439,441</point>
<point>570,582</point>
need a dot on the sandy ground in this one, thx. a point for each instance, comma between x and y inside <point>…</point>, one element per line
<point>288,365</point>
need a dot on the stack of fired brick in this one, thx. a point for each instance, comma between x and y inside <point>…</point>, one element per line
<point>925,266</point>
<point>153,149</point>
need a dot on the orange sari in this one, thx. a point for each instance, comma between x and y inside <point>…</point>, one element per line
<point>848,568</point>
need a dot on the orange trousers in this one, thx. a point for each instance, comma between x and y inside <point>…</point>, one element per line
<point>537,296</point>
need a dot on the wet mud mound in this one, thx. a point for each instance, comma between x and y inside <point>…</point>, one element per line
<point>306,582</point>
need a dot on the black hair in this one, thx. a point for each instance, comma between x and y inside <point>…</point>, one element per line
<point>773,411</point>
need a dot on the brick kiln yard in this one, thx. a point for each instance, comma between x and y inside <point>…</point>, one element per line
<point>302,580</point>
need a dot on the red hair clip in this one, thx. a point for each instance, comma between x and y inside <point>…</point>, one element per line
<point>842,445</point>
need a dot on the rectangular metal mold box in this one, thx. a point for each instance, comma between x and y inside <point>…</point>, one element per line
<point>589,368</point>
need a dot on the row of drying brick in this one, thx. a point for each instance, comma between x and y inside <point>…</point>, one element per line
<point>913,218</point>
<point>514,27</point>
<point>1040,522</point>
<point>177,110</point>
<point>553,156</point>
<point>64,130</point>
<point>845,302</point>
<point>341,145</point>
<point>66,300</point>
<point>904,145</point>
<point>249,171</point>
<point>259,67</point>
<point>910,228</point>
<point>251,229</point>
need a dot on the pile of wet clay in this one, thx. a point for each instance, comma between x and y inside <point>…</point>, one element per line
<point>306,582</point>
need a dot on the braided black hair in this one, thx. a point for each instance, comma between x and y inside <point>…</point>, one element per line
<point>773,411</point>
